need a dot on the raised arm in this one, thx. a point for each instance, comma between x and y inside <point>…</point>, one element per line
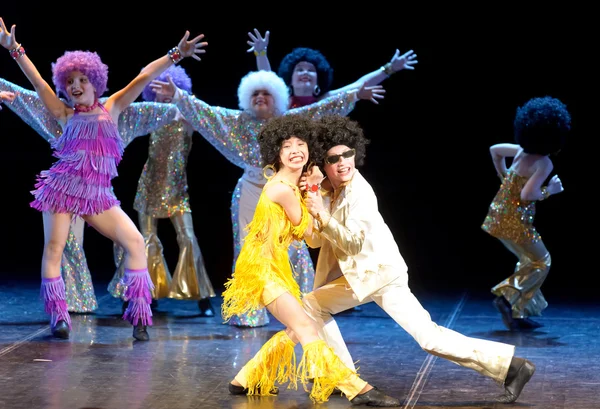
<point>258,45</point>
<point>29,107</point>
<point>120,100</point>
<point>501,151</point>
<point>397,63</point>
<point>222,128</point>
<point>54,105</point>
<point>142,118</point>
<point>341,103</point>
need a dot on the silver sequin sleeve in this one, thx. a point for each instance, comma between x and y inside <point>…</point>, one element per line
<point>138,119</point>
<point>30,108</point>
<point>143,118</point>
<point>232,132</point>
<point>341,103</point>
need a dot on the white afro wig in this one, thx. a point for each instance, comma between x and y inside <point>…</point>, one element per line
<point>263,80</point>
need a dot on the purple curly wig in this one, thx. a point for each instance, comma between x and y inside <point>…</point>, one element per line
<point>87,62</point>
<point>179,77</point>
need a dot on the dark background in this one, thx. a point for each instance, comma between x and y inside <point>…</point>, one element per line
<point>428,160</point>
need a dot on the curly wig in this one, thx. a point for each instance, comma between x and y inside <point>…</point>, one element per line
<point>324,70</point>
<point>179,77</point>
<point>263,80</point>
<point>280,129</point>
<point>336,130</point>
<point>87,62</point>
<point>541,125</point>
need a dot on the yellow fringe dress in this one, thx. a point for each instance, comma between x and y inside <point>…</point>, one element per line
<point>263,271</point>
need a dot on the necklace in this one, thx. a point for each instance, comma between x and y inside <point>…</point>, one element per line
<point>83,108</point>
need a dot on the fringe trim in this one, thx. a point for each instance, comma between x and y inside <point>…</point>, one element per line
<point>275,362</point>
<point>324,367</point>
<point>139,294</point>
<point>52,292</point>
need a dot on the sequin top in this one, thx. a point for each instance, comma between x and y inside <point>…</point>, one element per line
<point>509,217</point>
<point>138,119</point>
<point>162,188</point>
<point>234,132</point>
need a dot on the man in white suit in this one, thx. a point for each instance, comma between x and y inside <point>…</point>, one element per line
<point>359,261</point>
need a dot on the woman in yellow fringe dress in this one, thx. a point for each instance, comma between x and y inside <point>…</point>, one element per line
<point>263,277</point>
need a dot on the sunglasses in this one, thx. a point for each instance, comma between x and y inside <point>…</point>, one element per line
<point>333,159</point>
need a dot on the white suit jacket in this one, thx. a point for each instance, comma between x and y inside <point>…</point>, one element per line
<point>361,241</point>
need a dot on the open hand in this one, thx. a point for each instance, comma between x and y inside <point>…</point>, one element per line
<point>372,93</point>
<point>191,48</point>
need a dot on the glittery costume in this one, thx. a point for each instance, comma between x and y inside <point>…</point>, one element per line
<point>163,193</point>
<point>234,133</point>
<point>138,119</point>
<point>510,219</point>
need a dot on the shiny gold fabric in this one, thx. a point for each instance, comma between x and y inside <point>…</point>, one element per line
<point>509,217</point>
<point>190,280</point>
<point>157,266</point>
<point>510,220</point>
<point>522,288</point>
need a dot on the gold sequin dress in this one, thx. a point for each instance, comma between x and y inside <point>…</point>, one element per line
<point>510,220</point>
<point>163,193</point>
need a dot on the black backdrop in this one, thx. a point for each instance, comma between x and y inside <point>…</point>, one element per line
<point>428,160</point>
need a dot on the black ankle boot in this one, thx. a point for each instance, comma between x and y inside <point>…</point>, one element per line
<point>240,390</point>
<point>206,309</point>
<point>141,333</point>
<point>61,330</point>
<point>519,373</point>
<point>375,397</point>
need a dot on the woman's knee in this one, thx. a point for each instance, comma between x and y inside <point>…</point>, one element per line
<point>53,250</point>
<point>134,244</point>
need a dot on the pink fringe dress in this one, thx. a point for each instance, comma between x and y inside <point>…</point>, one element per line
<point>79,183</point>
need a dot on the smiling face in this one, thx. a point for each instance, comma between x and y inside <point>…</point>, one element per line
<point>79,89</point>
<point>262,103</point>
<point>293,154</point>
<point>304,79</point>
<point>339,164</point>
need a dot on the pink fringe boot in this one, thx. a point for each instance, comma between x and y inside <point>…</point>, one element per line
<point>139,294</point>
<point>55,304</point>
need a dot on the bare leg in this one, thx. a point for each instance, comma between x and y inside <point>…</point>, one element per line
<point>157,265</point>
<point>117,226</point>
<point>56,231</point>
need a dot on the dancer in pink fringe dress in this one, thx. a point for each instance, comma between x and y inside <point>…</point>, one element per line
<point>79,183</point>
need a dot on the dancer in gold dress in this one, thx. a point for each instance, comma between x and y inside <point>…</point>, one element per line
<point>541,127</point>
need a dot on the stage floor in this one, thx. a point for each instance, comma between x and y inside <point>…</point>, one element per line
<point>190,359</point>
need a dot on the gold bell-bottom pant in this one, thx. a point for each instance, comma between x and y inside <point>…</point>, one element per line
<point>189,281</point>
<point>522,288</point>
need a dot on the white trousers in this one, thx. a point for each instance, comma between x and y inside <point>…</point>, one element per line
<point>489,358</point>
